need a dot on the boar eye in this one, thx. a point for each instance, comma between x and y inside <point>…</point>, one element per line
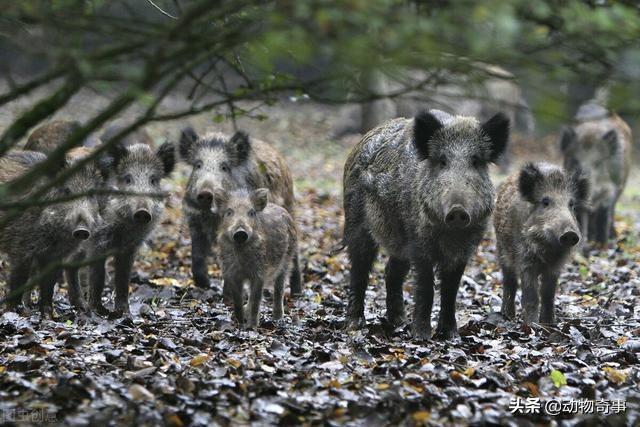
<point>229,212</point>
<point>128,179</point>
<point>545,202</point>
<point>66,191</point>
<point>224,167</point>
<point>154,180</point>
<point>198,164</point>
<point>572,203</point>
<point>475,161</point>
<point>442,161</point>
<point>252,213</point>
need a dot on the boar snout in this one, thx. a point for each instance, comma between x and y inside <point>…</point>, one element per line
<point>569,238</point>
<point>81,233</point>
<point>240,235</point>
<point>142,216</point>
<point>205,198</point>
<point>457,217</point>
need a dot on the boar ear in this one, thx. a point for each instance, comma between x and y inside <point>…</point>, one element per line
<point>567,139</point>
<point>424,127</point>
<point>188,138</point>
<point>116,152</point>
<point>497,129</point>
<point>611,139</point>
<point>167,154</point>
<point>529,177</point>
<point>259,198</point>
<point>239,147</point>
<point>221,197</point>
<point>581,186</point>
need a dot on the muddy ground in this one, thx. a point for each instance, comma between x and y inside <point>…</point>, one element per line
<point>181,361</point>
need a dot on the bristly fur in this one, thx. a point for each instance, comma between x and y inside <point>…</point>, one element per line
<point>222,162</point>
<point>535,210</point>
<point>400,183</point>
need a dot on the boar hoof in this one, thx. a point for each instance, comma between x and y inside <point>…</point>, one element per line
<point>101,310</point>
<point>46,312</point>
<point>354,323</point>
<point>202,282</point>
<point>509,313</point>
<point>421,330</point>
<point>396,319</point>
<point>122,310</point>
<point>446,333</point>
<point>80,306</point>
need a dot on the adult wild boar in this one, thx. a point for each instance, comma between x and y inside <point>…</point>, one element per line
<point>600,146</point>
<point>419,188</point>
<point>536,232</point>
<point>42,235</point>
<point>220,162</point>
<point>128,219</point>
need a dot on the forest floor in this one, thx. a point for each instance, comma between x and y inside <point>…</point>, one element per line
<point>181,360</point>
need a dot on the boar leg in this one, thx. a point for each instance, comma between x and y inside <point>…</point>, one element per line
<point>278,297</point>
<point>423,300</point>
<point>547,298</point>
<point>73,282</point>
<point>602,225</point>
<point>612,223</point>
<point>17,279</point>
<point>530,295</point>
<point>449,283</point>
<point>509,288</point>
<point>75,292</point>
<point>394,275</point>
<point>96,280</point>
<point>255,297</point>
<point>295,279</point>
<point>123,265</point>
<point>235,289</point>
<point>362,252</point>
<point>45,300</point>
<point>200,249</point>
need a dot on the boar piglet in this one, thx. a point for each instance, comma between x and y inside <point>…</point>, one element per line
<point>42,235</point>
<point>128,219</point>
<point>220,162</point>
<point>420,188</point>
<point>601,147</point>
<point>536,231</point>
<point>257,241</point>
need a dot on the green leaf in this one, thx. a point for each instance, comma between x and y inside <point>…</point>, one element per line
<point>558,378</point>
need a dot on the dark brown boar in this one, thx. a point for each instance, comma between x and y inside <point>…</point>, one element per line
<point>222,162</point>
<point>128,220</point>
<point>536,231</point>
<point>42,235</point>
<point>49,136</point>
<point>420,188</point>
<point>257,242</point>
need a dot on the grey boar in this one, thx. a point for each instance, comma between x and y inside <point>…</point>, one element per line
<point>419,188</point>
<point>536,231</point>
<point>257,242</point>
<point>42,235</point>
<point>222,162</point>
<point>129,219</point>
<point>601,147</point>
